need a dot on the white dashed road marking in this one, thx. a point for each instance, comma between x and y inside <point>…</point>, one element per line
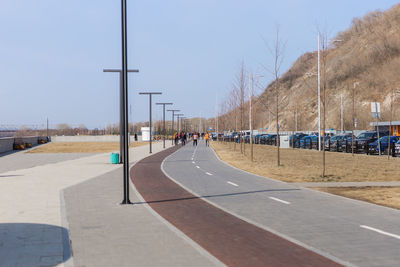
<point>208,173</point>
<point>232,183</point>
<point>380,231</point>
<point>193,162</point>
<point>197,167</point>
<point>280,200</point>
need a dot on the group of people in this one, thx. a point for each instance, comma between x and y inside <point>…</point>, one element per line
<point>182,136</point>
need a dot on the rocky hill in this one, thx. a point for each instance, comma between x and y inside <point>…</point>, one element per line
<point>365,57</point>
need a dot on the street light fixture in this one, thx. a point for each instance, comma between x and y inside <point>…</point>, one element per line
<point>121,116</point>
<point>164,132</point>
<point>150,94</point>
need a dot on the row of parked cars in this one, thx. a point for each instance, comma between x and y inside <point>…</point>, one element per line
<point>367,142</point>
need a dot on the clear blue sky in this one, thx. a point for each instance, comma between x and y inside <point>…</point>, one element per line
<point>52,52</point>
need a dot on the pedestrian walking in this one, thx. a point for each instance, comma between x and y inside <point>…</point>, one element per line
<point>207,137</point>
<point>176,137</point>
<point>195,138</point>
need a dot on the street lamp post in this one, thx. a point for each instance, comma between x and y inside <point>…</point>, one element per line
<point>164,133</point>
<point>121,117</point>
<point>178,121</point>
<point>150,94</point>
<point>173,116</point>
<point>124,110</point>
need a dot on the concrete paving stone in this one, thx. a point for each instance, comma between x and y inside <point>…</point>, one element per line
<point>131,235</point>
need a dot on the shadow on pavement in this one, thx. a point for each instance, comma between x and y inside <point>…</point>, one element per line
<point>30,244</point>
<point>218,195</point>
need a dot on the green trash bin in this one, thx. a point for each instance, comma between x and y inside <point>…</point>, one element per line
<point>114,158</point>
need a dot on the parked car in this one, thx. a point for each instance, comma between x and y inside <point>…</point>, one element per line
<point>365,138</point>
<point>397,149</point>
<point>345,143</point>
<point>296,137</point>
<point>384,144</point>
<point>335,142</point>
<point>305,141</point>
<point>268,139</point>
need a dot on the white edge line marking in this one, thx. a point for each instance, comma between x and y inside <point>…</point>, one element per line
<point>232,183</point>
<point>197,167</point>
<point>208,173</point>
<point>380,231</point>
<point>178,232</point>
<point>280,200</point>
<point>320,252</point>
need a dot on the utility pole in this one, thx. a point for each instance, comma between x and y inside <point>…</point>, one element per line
<point>150,94</point>
<point>341,113</point>
<point>121,106</point>
<point>47,129</point>
<point>319,94</point>
<point>164,131</point>
<point>173,116</point>
<point>124,110</point>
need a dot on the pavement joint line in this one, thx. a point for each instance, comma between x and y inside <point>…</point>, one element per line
<point>208,173</point>
<point>309,247</point>
<point>174,229</point>
<point>280,200</point>
<point>380,231</point>
<point>232,183</point>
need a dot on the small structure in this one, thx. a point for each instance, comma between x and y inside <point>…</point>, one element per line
<point>384,126</point>
<point>146,133</point>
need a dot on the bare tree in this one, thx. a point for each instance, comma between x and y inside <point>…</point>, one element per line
<point>324,54</point>
<point>277,52</point>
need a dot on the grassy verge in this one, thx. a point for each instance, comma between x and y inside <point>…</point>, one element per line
<point>385,196</point>
<point>299,165</point>
<point>81,147</point>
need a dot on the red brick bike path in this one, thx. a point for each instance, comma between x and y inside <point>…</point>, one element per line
<point>230,239</point>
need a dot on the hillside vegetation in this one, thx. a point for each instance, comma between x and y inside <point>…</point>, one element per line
<point>366,56</point>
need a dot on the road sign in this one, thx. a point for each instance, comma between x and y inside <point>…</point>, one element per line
<point>355,122</point>
<point>210,129</point>
<point>375,110</point>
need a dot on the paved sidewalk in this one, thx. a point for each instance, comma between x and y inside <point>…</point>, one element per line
<point>105,233</point>
<point>346,184</point>
<point>31,226</point>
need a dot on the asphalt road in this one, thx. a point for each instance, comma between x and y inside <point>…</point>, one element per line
<point>348,231</point>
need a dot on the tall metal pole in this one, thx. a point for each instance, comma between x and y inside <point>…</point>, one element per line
<point>121,114</point>
<point>164,130</point>
<point>319,95</point>
<point>47,128</point>
<point>124,111</point>
<point>150,124</point>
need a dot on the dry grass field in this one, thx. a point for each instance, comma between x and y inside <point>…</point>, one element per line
<point>81,147</point>
<point>305,166</point>
<point>300,165</point>
<point>386,196</point>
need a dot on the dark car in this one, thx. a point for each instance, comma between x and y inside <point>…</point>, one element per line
<point>305,141</point>
<point>384,144</point>
<point>293,139</point>
<point>268,139</point>
<point>345,143</point>
<point>364,139</point>
<point>335,142</point>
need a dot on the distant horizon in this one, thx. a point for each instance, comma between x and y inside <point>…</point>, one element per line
<point>54,53</point>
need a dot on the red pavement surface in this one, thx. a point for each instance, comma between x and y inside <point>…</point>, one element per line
<point>230,239</point>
